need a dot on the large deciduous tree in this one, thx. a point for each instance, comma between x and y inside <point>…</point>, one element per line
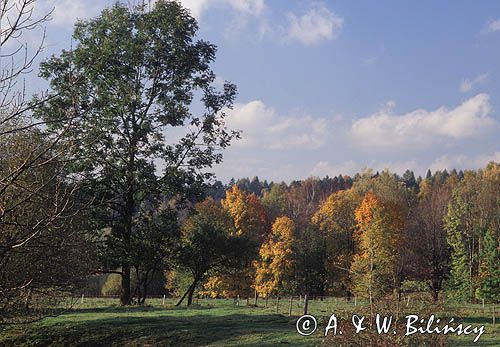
<point>335,218</point>
<point>210,245</point>
<point>250,220</point>
<point>137,75</point>
<point>378,235</point>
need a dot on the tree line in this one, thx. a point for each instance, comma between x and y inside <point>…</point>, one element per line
<point>381,235</point>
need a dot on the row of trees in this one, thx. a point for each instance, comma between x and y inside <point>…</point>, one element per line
<point>383,235</point>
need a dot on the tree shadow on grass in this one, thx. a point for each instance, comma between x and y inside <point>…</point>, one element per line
<point>193,330</point>
<point>138,309</point>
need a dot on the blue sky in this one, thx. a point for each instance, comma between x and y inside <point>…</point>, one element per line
<point>331,87</point>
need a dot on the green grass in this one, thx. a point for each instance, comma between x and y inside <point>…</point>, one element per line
<point>101,322</point>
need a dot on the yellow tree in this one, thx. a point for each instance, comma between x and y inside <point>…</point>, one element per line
<point>335,218</point>
<point>208,245</point>
<point>276,265</point>
<point>248,213</point>
<point>250,219</point>
<point>377,239</point>
<point>395,200</point>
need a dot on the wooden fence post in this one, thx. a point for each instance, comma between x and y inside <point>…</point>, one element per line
<point>306,301</point>
<point>81,302</point>
<point>493,315</point>
<point>267,298</point>
<point>290,308</point>
<point>163,302</point>
<point>277,303</point>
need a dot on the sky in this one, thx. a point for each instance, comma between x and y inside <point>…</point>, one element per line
<point>333,87</point>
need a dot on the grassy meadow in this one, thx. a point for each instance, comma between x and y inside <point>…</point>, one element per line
<point>211,322</point>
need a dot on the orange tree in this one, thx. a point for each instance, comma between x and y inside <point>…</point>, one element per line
<point>378,237</point>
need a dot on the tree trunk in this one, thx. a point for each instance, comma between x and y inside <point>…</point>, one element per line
<point>125,292</point>
<point>142,293</point>
<point>190,295</point>
<point>127,227</point>
<point>184,296</point>
<point>435,295</point>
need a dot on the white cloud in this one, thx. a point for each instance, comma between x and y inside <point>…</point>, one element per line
<point>325,168</point>
<point>67,12</point>
<point>494,25</point>
<point>197,7</point>
<point>467,84</point>
<point>462,161</point>
<point>421,127</point>
<point>262,127</point>
<point>351,167</point>
<point>483,159</point>
<point>237,167</point>
<point>254,7</point>
<point>250,7</point>
<point>398,167</point>
<point>317,24</point>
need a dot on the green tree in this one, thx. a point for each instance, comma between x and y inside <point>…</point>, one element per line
<point>409,180</point>
<point>156,235</point>
<point>135,74</point>
<point>210,245</point>
<point>459,281</point>
<point>489,287</point>
<point>275,201</point>
<point>310,265</point>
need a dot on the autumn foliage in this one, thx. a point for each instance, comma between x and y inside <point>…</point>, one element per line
<point>276,264</point>
<point>373,236</point>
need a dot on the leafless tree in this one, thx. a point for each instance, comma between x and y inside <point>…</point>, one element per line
<point>38,205</point>
<point>431,253</point>
<point>17,57</point>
